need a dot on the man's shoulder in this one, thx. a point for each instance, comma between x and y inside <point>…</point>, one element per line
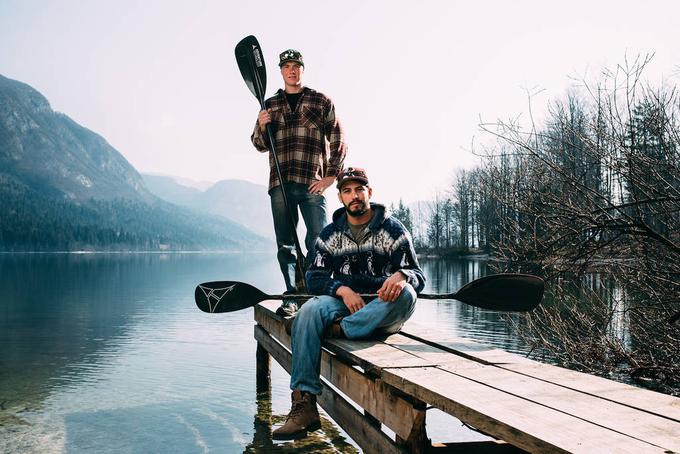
<point>328,230</point>
<point>277,98</point>
<point>316,96</point>
<point>394,227</point>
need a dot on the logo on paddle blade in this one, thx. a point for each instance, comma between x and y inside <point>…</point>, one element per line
<point>258,57</point>
<point>215,295</point>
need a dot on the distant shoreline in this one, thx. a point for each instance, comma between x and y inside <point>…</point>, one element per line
<point>133,252</point>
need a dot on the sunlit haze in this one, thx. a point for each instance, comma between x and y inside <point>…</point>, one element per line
<point>410,80</point>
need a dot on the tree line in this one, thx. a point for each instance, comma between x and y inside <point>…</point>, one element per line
<point>592,191</point>
<point>459,221</point>
<point>35,221</point>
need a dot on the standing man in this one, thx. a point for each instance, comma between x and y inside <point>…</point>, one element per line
<point>310,144</point>
<point>364,250</point>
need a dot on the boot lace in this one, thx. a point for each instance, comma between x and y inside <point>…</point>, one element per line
<point>297,408</point>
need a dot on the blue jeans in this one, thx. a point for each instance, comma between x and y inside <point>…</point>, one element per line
<point>313,209</point>
<point>319,312</point>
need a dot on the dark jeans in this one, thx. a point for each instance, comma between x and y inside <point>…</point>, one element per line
<point>313,209</point>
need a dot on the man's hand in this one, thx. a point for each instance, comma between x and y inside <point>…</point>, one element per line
<point>264,118</point>
<point>352,300</point>
<point>318,187</point>
<point>392,287</point>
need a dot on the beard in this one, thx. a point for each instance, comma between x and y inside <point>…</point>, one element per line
<point>356,209</point>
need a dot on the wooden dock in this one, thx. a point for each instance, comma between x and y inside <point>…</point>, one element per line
<point>523,404</point>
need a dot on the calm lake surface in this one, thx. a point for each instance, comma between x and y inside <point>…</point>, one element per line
<point>107,353</point>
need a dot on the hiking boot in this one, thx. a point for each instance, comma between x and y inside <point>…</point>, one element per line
<point>289,307</point>
<point>303,417</point>
<point>334,331</point>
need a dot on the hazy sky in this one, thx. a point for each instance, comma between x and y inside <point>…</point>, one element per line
<point>410,80</point>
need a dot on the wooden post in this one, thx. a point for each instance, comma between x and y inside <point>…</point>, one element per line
<point>263,385</point>
<point>262,423</point>
<point>417,441</point>
<point>263,379</point>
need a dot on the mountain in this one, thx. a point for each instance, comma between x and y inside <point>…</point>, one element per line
<point>170,190</point>
<point>200,185</point>
<point>240,201</point>
<point>64,187</point>
<point>151,178</point>
<point>48,151</point>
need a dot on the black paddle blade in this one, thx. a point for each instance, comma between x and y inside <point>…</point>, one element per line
<point>503,292</point>
<point>251,64</point>
<point>227,296</point>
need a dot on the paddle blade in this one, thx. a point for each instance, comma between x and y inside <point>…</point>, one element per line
<point>226,296</point>
<point>251,64</point>
<point>503,292</point>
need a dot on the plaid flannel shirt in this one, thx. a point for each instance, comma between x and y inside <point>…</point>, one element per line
<point>310,142</point>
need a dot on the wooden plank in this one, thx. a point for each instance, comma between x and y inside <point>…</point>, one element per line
<point>272,323</point>
<point>367,354</point>
<point>632,422</point>
<point>475,447</point>
<point>632,396</point>
<point>370,438</point>
<point>374,396</point>
<point>525,424</point>
<point>621,418</point>
<point>512,374</point>
<point>649,401</point>
<point>373,355</point>
<point>460,346</point>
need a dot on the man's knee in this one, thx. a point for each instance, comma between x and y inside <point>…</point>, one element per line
<point>408,295</point>
<point>314,305</point>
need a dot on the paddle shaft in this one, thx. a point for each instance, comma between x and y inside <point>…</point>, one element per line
<point>300,281</point>
<point>425,296</point>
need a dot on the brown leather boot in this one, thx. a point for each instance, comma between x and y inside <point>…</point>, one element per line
<point>303,417</point>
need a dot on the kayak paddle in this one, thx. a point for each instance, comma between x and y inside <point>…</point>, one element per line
<point>251,64</point>
<point>498,292</point>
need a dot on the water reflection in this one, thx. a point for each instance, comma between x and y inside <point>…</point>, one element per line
<point>489,327</point>
<point>99,348</point>
<point>601,295</point>
<point>107,353</point>
<point>445,276</point>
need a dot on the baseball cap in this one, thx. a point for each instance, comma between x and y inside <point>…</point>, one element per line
<point>290,55</point>
<point>352,174</point>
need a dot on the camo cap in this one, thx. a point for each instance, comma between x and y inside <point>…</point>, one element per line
<point>352,174</point>
<point>290,55</point>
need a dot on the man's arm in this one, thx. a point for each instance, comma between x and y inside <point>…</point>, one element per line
<point>259,137</point>
<point>335,134</point>
<point>403,259</point>
<point>406,261</point>
<point>392,287</point>
<point>352,299</point>
<point>319,277</point>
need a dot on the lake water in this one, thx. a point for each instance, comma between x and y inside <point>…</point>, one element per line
<point>107,353</point>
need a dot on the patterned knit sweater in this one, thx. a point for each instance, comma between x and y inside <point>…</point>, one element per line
<point>340,260</point>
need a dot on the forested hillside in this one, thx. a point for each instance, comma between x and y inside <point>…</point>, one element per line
<point>63,188</point>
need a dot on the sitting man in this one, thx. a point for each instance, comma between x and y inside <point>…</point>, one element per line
<point>364,250</point>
